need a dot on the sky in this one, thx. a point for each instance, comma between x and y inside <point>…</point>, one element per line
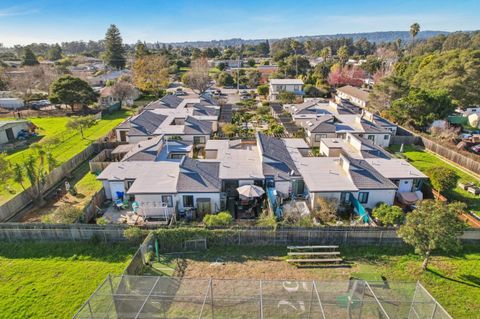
<point>52,21</point>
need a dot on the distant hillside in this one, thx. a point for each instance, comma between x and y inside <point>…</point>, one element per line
<point>377,37</point>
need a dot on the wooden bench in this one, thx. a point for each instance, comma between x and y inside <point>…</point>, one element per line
<point>314,253</point>
<point>320,260</point>
<point>312,247</point>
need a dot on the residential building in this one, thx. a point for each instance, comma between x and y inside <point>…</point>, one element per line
<point>11,130</point>
<point>265,72</point>
<point>192,120</point>
<point>355,95</point>
<point>164,188</point>
<point>107,98</point>
<point>281,85</point>
<point>233,64</point>
<point>328,126</point>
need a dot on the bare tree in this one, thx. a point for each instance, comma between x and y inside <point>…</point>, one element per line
<point>122,90</point>
<point>197,78</point>
<point>31,79</point>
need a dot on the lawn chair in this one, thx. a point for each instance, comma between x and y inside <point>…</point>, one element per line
<point>125,204</point>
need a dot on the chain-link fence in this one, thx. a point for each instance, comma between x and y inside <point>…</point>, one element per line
<point>123,297</point>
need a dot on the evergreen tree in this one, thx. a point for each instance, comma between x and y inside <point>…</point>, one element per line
<point>114,51</point>
<point>29,57</point>
<point>141,50</point>
<point>55,53</point>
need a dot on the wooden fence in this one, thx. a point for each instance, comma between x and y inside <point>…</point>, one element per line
<point>100,161</point>
<point>23,199</point>
<point>93,206</point>
<point>54,232</point>
<point>217,237</point>
<point>468,161</point>
<point>452,154</point>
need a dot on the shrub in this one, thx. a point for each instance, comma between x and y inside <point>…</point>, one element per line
<point>267,220</point>
<point>220,219</point>
<point>134,234</point>
<point>325,210</point>
<point>262,110</point>
<point>64,214</point>
<point>102,221</point>
<point>388,215</point>
<point>442,178</point>
<point>287,97</point>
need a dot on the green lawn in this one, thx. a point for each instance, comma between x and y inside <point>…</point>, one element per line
<point>52,280</point>
<point>70,142</point>
<point>424,161</point>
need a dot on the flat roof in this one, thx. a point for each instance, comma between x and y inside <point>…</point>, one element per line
<point>286,81</point>
<point>324,174</point>
<point>395,168</point>
<point>237,160</point>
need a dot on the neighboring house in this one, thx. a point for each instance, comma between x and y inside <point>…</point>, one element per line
<point>165,188</point>
<point>230,63</point>
<point>106,97</point>
<point>380,121</point>
<point>191,120</point>
<point>282,85</point>
<point>159,148</point>
<point>342,178</point>
<point>102,79</point>
<point>9,130</point>
<point>265,72</point>
<point>328,126</point>
<point>355,95</point>
<point>353,145</point>
<point>11,103</point>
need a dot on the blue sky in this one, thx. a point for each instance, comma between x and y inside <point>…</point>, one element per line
<point>53,21</point>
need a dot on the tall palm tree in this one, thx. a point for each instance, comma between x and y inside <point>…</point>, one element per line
<point>294,44</point>
<point>414,30</point>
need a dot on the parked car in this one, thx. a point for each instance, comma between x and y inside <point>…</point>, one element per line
<point>476,148</point>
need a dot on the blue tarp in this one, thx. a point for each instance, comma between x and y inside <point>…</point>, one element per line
<point>359,209</point>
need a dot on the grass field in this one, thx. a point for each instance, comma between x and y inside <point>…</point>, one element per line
<point>70,142</point>
<point>52,280</point>
<point>424,161</point>
<point>453,280</point>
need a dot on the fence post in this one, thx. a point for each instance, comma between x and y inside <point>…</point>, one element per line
<point>345,238</point>
<point>380,238</point>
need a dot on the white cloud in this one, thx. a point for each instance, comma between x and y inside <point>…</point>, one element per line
<point>16,11</point>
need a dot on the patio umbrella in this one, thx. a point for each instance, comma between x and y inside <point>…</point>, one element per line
<point>250,191</point>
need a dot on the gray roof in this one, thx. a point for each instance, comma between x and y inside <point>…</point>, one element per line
<point>202,109</point>
<point>370,127</point>
<point>364,176</point>
<point>355,92</point>
<point>275,149</point>
<point>198,176</point>
<point>168,101</point>
<point>322,124</point>
<point>144,150</point>
<point>146,123</point>
<point>195,126</point>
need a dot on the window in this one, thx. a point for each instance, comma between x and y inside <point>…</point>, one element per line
<point>167,199</point>
<point>371,137</point>
<point>129,184</point>
<point>344,197</point>
<point>386,137</point>
<point>318,137</point>
<point>199,140</point>
<point>177,155</point>
<point>363,197</point>
<point>188,201</point>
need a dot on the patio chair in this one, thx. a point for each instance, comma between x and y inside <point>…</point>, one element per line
<point>125,204</point>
